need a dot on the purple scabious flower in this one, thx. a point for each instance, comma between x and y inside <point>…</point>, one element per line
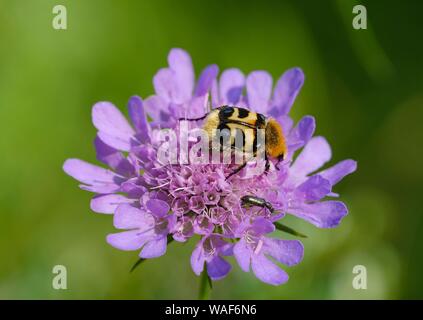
<point>154,201</point>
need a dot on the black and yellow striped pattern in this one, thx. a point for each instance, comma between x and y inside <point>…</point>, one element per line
<point>240,126</point>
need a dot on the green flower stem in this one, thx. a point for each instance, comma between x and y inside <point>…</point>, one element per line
<point>206,286</point>
<point>140,260</point>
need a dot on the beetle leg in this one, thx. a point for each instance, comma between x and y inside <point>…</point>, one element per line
<point>242,166</point>
<point>267,165</point>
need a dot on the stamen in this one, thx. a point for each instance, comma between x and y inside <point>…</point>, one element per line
<point>259,246</point>
<point>158,187</point>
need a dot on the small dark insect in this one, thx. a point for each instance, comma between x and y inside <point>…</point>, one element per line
<point>248,201</point>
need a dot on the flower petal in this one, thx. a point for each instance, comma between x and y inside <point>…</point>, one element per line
<point>132,189</point>
<point>158,109</point>
<point>197,259</point>
<point>214,94</point>
<point>314,155</point>
<point>180,63</point>
<point>286,122</point>
<point>197,108</point>
<point>267,271</point>
<point>226,249</point>
<point>129,217</point>
<point>154,248</point>
<point>139,119</point>
<point>101,188</point>
<point>314,188</point>
<point>259,89</point>
<point>165,85</point>
<point>288,252</point>
<point>242,255</point>
<point>183,229</point>
<point>127,240</point>
<point>88,173</point>
<point>326,214</point>
<point>206,79</point>
<point>301,134</point>
<point>338,171</point>
<point>203,225</point>
<point>286,90</point>
<point>108,203</point>
<point>157,207</point>
<point>112,126</point>
<point>113,158</point>
<point>113,141</point>
<point>262,225</point>
<point>218,268</point>
<point>231,83</point>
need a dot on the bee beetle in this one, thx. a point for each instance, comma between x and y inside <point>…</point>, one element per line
<point>244,123</point>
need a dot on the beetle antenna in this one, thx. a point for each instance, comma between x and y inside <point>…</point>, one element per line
<point>193,119</point>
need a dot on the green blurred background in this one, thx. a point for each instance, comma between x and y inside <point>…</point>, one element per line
<point>363,86</point>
